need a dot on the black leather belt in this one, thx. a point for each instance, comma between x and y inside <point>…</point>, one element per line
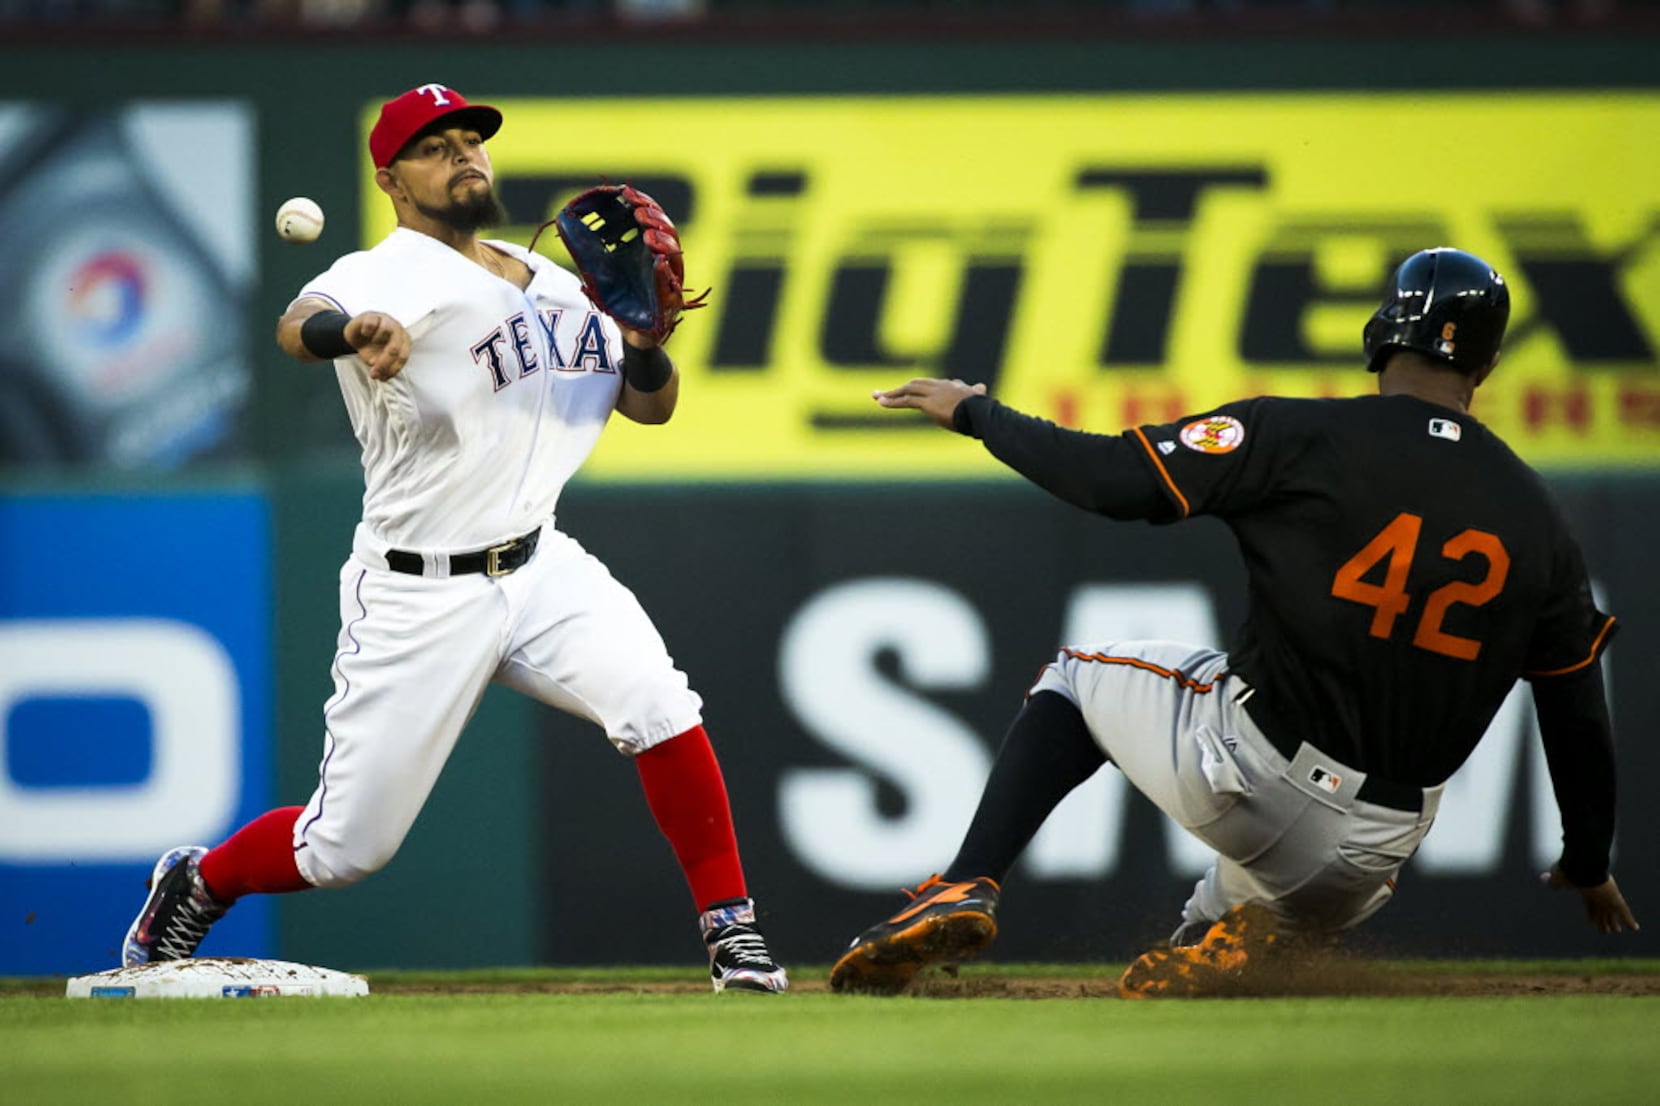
<point>498,560</point>
<point>1373,789</point>
<point>1395,796</point>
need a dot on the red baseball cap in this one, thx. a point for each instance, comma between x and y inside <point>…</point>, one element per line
<point>410,114</point>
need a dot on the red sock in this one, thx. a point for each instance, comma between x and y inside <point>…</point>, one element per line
<point>259,857</point>
<point>687,796</point>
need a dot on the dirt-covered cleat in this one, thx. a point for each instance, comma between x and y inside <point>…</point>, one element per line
<point>738,956</point>
<point>178,913</point>
<point>946,923</point>
<point>1221,963</point>
<point>1191,933</point>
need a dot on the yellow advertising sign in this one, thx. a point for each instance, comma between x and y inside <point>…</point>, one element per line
<point>1105,261</point>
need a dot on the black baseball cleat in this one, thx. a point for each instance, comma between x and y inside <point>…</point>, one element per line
<point>945,923</point>
<point>738,956</point>
<point>178,913</point>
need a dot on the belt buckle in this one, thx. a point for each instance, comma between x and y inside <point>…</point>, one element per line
<point>492,558</point>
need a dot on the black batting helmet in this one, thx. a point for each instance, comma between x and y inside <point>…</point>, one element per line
<point>1443,303</point>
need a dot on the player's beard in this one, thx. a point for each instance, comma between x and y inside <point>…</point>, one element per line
<point>473,212</point>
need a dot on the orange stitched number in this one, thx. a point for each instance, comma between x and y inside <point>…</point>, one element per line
<point>1430,635</point>
<point>1396,544</point>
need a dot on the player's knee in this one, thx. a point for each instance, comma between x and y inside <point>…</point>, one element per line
<point>633,741</point>
<point>329,865</point>
<point>657,711</point>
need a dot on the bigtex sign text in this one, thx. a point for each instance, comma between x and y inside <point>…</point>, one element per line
<point>1109,260</point>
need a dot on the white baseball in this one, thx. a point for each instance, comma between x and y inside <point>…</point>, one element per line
<point>300,220</point>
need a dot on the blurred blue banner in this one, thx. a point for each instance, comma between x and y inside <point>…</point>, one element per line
<point>134,711</point>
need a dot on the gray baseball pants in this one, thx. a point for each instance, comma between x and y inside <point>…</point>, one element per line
<point>1289,831</point>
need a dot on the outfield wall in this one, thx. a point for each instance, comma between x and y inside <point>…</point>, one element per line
<point>1106,232</point>
<point>860,651</point>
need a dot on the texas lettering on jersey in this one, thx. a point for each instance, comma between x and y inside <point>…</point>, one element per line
<point>588,352</point>
<point>505,394</point>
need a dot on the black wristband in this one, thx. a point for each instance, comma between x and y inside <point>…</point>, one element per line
<point>324,334</point>
<point>646,370</point>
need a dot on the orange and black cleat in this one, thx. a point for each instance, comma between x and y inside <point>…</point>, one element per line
<point>1241,941</point>
<point>945,923</point>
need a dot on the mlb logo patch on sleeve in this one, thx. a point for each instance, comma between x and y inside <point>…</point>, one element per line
<point>1445,428</point>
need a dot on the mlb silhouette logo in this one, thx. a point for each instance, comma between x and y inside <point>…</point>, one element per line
<point>1325,779</point>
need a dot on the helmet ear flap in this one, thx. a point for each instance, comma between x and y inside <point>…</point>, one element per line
<point>1375,341</point>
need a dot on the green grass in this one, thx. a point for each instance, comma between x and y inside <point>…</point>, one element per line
<point>819,1048</point>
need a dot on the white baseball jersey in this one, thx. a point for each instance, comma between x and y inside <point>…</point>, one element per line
<point>504,396</point>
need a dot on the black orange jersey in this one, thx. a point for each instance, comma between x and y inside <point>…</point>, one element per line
<point>1405,567</point>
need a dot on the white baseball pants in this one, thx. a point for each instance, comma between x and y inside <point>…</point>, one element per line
<point>414,658</point>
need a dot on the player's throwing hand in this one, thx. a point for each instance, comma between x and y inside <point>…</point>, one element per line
<point>381,341</point>
<point>937,399</point>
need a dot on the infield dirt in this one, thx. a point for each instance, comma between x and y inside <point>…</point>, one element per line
<point>1324,979</point>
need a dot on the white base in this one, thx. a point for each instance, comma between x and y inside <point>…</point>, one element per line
<point>217,977</point>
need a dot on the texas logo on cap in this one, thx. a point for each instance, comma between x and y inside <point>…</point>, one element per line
<point>403,118</point>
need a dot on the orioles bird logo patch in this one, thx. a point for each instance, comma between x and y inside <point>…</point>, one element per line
<point>1214,434</point>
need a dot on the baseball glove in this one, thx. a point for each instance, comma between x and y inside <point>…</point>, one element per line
<point>628,255</point>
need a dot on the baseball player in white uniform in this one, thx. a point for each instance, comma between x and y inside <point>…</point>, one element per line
<point>478,378</point>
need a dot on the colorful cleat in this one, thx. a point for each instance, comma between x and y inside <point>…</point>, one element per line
<point>738,956</point>
<point>945,923</point>
<point>178,913</point>
<point>1242,939</point>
